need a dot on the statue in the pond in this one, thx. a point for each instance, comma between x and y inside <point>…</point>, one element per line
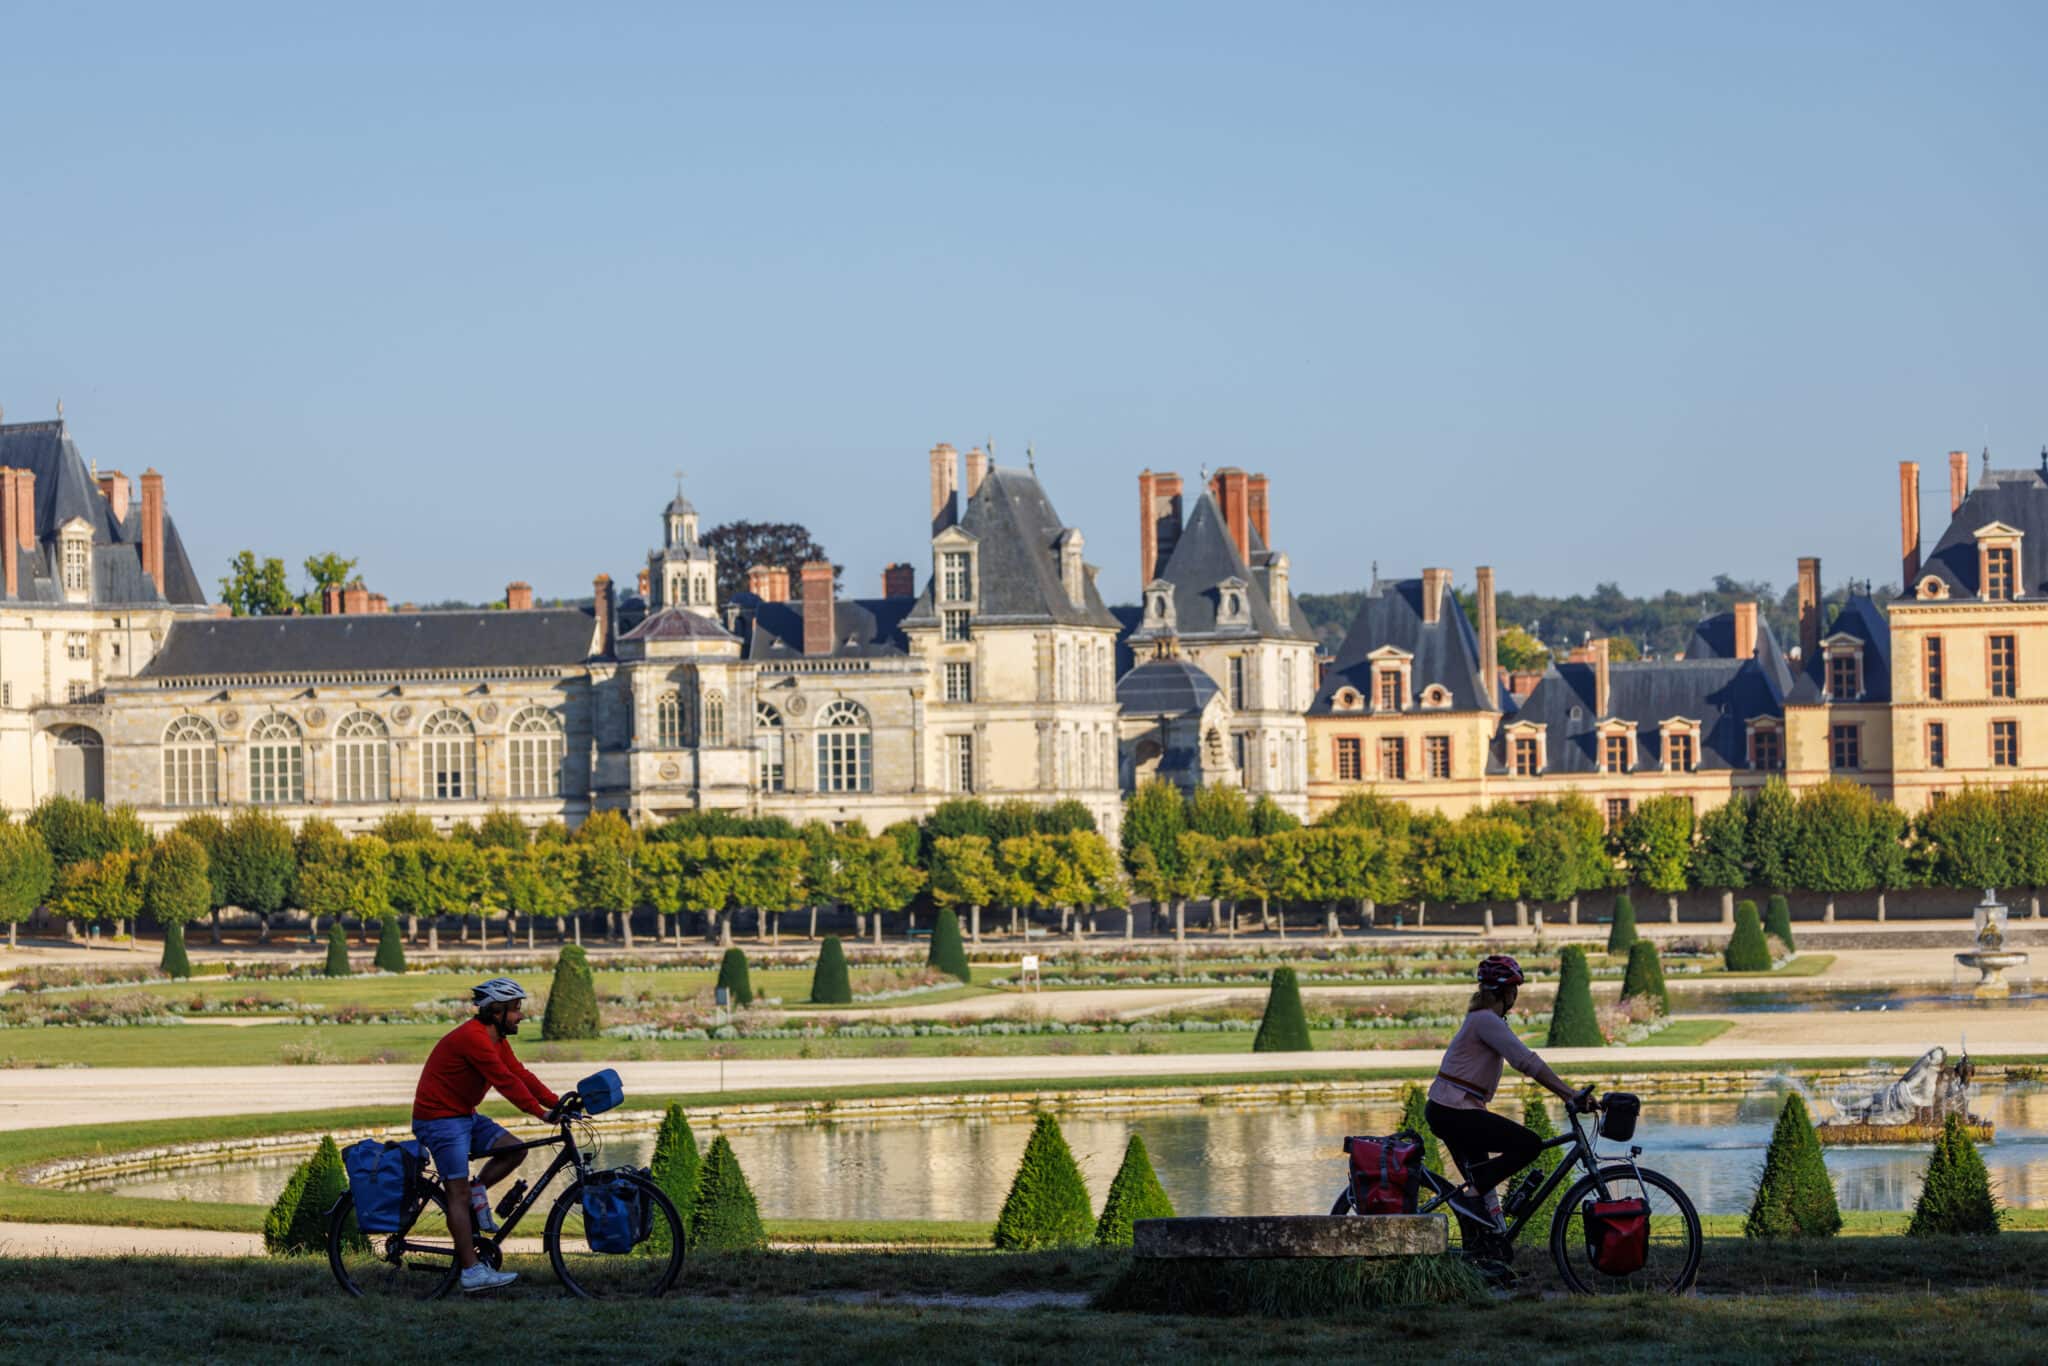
<point>1908,1109</point>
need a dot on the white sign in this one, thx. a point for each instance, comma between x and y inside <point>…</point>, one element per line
<point>1031,962</point>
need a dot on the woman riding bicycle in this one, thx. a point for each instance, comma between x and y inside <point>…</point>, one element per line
<point>1489,1148</point>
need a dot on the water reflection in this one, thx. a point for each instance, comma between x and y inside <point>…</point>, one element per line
<point>1280,1160</point>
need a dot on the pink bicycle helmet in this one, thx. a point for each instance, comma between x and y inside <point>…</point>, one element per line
<point>1500,971</point>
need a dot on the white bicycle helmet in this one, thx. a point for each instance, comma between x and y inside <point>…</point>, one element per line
<point>496,990</point>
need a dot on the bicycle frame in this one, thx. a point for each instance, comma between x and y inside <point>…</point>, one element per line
<point>1583,1155</point>
<point>569,1156</point>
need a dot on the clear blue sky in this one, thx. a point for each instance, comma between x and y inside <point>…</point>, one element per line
<point>1583,292</point>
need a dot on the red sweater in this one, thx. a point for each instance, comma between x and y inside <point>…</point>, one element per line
<point>469,1061</point>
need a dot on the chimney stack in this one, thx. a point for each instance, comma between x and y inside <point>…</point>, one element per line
<point>1434,582</point>
<point>1230,487</point>
<point>330,600</point>
<point>519,597</point>
<point>1158,522</point>
<point>355,599</point>
<point>1489,640</point>
<point>1909,524</point>
<point>10,572</point>
<point>1255,502</point>
<point>601,599</point>
<point>1745,630</point>
<point>819,627</point>
<point>900,580</point>
<point>945,481</point>
<point>25,510</point>
<point>1600,653</point>
<point>379,604</point>
<point>153,528</point>
<point>1278,571</point>
<point>1958,479</point>
<point>1809,608</point>
<point>977,470</point>
<point>644,583</point>
<point>768,582</point>
<point>114,488</point>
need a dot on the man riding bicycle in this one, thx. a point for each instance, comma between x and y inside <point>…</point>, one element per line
<point>475,1057</point>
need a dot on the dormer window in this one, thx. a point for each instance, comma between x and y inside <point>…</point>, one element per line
<point>1766,745</point>
<point>74,558</point>
<point>1436,697</point>
<point>1845,676</point>
<point>1391,679</point>
<point>1347,699</point>
<point>1387,688</point>
<point>1998,563</point>
<point>1617,749</point>
<point>956,576</point>
<point>1230,603</point>
<point>1160,615</point>
<point>1681,746</point>
<point>1526,756</point>
<point>1932,589</point>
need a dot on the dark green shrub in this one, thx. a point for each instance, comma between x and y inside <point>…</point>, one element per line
<point>1414,1115</point>
<point>1134,1194</point>
<point>676,1168</point>
<point>948,954</point>
<point>175,963</point>
<point>1795,1196</point>
<point>337,951</point>
<point>1536,1119</point>
<point>1284,1027</point>
<point>390,945</point>
<point>1645,976</point>
<point>297,1222</point>
<point>1622,932</point>
<point>277,1225</point>
<point>1048,1201</point>
<point>1747,951</point>
<point>572,998</point>
<point>830,986</point>
<point>1778,921</point>
<point>1956,1195</point>
<point>733,976</point>
<point>1572,1021</point>
<point>725,1217</point>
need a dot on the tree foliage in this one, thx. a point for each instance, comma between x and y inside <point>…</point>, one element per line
<point>1656,842</point>
<point>739,546</point>
<point>1155,817</point>
<point>27,872</point>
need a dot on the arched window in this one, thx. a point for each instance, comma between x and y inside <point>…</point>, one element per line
<point>277,762</point>
<point>362,759</point>
<point>845,749</point>
<point>189,767</point>
<point>712,732</point>
<point>768,746</point>
<point>447,757</point>
<point>537,747</point>
<point>668,720</point>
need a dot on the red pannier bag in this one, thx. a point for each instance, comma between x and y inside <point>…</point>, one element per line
<point>1385,1173</point>
<point>1617,1235</point>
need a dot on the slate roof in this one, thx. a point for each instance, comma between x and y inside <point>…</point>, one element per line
<point>674,623</point>
<point>2018,498</point>
<point>865,628</point>
<point>1445,653</point>
<point>1015,529</point>
<point>65,489</point>
<point>1861,618</point>
<point>377,644</point>
<point>1165,687</point>
<point>1203,557</point>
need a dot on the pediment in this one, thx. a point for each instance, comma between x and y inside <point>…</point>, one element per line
<point>1391,653</point>
<point>953,538</point>
<point>1997,531</point>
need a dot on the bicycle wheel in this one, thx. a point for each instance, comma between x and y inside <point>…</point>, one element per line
<point>1343,1203</point>
<point>1674,1250</point>
<point>417,1263</point>
<point>649,1269</point>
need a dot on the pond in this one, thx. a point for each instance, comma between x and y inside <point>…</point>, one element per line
<point>1214,1160</point>
<point>1777,999</point>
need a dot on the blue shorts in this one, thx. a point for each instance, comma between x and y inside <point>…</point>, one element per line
<point>454,1141</point>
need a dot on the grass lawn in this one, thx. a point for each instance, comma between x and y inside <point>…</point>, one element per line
<point>1686,1033</point>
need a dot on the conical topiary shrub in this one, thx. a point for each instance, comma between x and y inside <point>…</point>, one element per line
<point>1956,1195</point>
<point>676,1168</point>
<point>948,954</point>
<point>1645,976</point>
<point>337,951</point>
<point>1415,1115</point>
<point>175,963</point>
<point>725,1217</point>
<point>830,986</point>
<point>733,976</point>
<point>277,1225</point>
<point>1572,1021</point>
<point>1284,1026</point>
<point>390,945</point>
<point>1135,1194</point>
<point>1048,1201</point>
<point>1747,951</point>
<point>1622,932</point>
<point>1795,1196</point>
<point>297,1222</point>
<point>1536,1119</point>
<point>572,998</point>
<point>1778,921</point>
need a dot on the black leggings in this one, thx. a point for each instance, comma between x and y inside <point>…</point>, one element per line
<point>1473,1134</point>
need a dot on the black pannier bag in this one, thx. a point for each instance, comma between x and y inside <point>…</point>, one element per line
<point>1618,1116</point>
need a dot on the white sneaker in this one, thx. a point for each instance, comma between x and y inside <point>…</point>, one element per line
<point>486,1221</point>
<point>481,1277</point>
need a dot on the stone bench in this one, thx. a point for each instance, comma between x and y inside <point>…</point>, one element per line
<point>1293,1235</point>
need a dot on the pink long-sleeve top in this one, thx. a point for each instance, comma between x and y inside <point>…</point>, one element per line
<point>1470,1072</point>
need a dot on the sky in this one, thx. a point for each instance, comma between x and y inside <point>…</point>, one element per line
<point>1587,293</point>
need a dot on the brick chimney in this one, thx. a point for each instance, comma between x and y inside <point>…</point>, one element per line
<point>25,509</point>
<point>900,580</point>
<point>769,583</point>
<point>819,626</point>
<point>1158,522</point>
<point>1230,487</point>
<point>945,481</point>
<point>379,604</point>
<point>1434,582</point>
<point>1958,479</point>
<point>1489,639</point>
<point>330,601</point>
<point>977,470</point>
<point>114,488</point>
<point>519,597</point>
<point>10,572</point>
<point>153,528</point>
<point>1909,524</point>
<point>1809,608</point>
<point>601,599</point>
<point>1745,630</point>
<point>1255,504</point>
<point>355,599</point>
<point>644,582</point>
<point>1599,653</point>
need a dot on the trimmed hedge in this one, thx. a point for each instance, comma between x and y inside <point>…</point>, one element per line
<point>1747,951</point>
<point>572,998</point>
<point>390,945</point>
<point>297,1222</point>
<point>1645,976</point>
<point>1135,1194</point>
<point>1573,1023</point>
<point>1414,1115</point>
<point>175,962</point>
<point>1622,932</point>
<point>733,976</point>
<point>1778,921</point>
<point>725,1217</point>
<point>830,984</point>
<point>1284,1026</point>
<point>677,1168</point>
<point>1956,1195</point>
<point>1048,1201</point>
<point>948,954</point>
<point>1795,1197</point>
<point>337,952</point>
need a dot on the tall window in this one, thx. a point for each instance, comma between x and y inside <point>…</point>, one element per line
<point>1998,574</point>
<point>362,759</point>
<point>1393,758</point>
<point>1287,682</point>
<point>190,773</point>
<point>1350,760</point>
<point>77,645</point>
<point>1931,671</point>
<point>768,746</point>
<point>447,757</point>
<point>536,754</point>
<point>845,749</point>
<point>1389,685</point>
<point>959,682</point>
<point>712,732</point>
<point>956,577</point>
<point>1617,812</point>
<point>1527,764</point>
<point>1106,690</point>
<point>1678,751</point>
<point>277,762</point>
<point>1108,760</point>
<point>1845,747</point>
<point>953,623</point>
<point>668,720</point>
<point>1237,682</point>
<point>1614,754</point>
<point>1436,755</point>
<point>1937,745</point>
<point>961,761</point>
<point>2005,744</point>
<point>1845,677</point>
<point>1241,755</point>
<point>77,564</point>
<point>1063,773</point>
<point>1766,750</point>
<point>1063,677</point>
<point>2005,668</point>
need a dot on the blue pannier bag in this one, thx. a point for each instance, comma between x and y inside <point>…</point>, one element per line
<point>384,1180</point>
<point>616,1212</point>
<point>601,1091</point>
